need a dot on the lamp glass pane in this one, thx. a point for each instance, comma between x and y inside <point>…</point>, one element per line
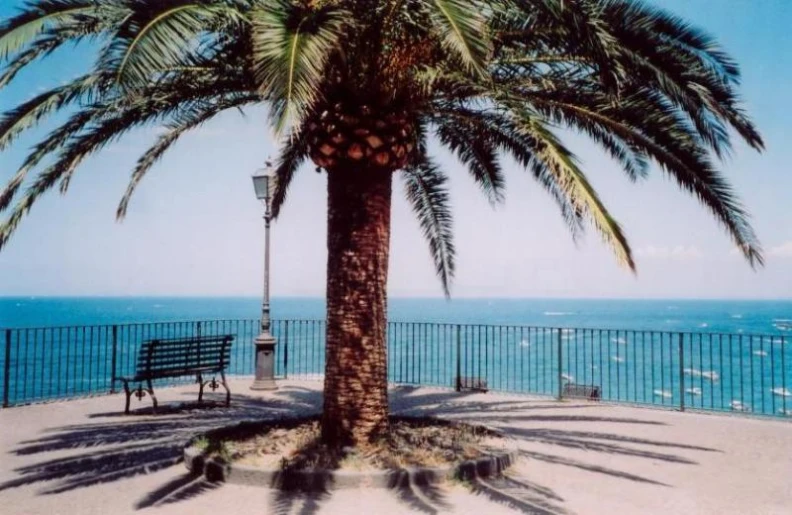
<point>261,185</point>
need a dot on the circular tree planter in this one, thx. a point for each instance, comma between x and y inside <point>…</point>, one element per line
<point>199,460</point>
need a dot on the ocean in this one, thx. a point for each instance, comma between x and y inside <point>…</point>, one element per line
<point>722,316</point>
<point>703,354</point>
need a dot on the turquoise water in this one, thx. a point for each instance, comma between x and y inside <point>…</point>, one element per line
<point>712,355</point>
<point>749,317</point>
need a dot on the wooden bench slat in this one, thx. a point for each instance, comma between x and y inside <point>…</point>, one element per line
<point>174,373</point>
<point>188,339</point>
<point>184,356</point>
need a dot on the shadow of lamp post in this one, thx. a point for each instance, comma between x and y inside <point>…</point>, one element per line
<point>265,342</point>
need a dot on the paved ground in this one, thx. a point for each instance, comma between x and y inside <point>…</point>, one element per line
<point>83,457</point>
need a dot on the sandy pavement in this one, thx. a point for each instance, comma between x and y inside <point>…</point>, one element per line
<point>84,457</point>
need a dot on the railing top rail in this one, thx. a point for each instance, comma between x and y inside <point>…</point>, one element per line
<point>597,329</point>
<point>125,324</point>
<point>553,328</point>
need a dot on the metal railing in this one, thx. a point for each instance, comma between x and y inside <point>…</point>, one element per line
<point>681,370</point>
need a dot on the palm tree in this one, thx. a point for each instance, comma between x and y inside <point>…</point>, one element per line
<point>358,87</point>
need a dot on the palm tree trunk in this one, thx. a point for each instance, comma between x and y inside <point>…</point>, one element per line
<point>358,246</point>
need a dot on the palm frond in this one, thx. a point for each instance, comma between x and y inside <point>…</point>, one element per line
<point>291,48</point>
<point>561,163</point>
<point>187,120</point>
<point>167,38</point>
<point>478,154</point>
<point>292,155</point>
<point>511,140</point>
<point>463,31</point>
<point>29,113</point>
<point>662,138</point>
<point>51,144</point>
<point>22,29</point>
<point>26,57</point>
<point>426,191</point>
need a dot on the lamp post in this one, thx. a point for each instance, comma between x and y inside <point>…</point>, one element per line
<point>265,342</point>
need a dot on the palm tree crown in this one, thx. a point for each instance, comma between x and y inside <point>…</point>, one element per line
<point>367,82</point>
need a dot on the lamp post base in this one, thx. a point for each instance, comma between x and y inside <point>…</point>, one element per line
<point>267,384</point>
<point>265,363</point>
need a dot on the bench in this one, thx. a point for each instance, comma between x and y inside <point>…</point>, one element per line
<point>581,391</point>
<point>178,357</point>
<point>471,383</point>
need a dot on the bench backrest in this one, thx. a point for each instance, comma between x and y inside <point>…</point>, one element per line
<point>184,356</point>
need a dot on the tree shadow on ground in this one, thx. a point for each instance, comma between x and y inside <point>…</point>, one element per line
<point>111,447</point>
<point>519,495</point>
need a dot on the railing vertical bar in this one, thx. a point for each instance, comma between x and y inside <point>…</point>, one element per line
<point>713,368</point>
<point>721,367</point>
<point>90,360</point>
<point>682,372</point>
<point>772,376</point>
<point>34,364</point>
<point>618,366</point>
<point>114,358</point>
<point>742,371</point>
<point>783,377</point>
<point>701,364</point>
<point>536,359</point>
<point>458,360</point>
<point>560,365</point>
<point>752,392</point>
<point>643,365</point>
<point>520,349</point>
<point>53,348</point>
<point>7,369</point>
<point>761,372</point>
<point>634,346</point>
<point>40,370</point>
<point>487,373</point>
<point>25,366</point>
<point>501,357</point>
<point>662,367</point>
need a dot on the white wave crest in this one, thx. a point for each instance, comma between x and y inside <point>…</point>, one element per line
<point>706,374</point>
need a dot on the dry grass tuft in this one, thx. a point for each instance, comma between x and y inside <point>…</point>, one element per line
<point>411,442</point>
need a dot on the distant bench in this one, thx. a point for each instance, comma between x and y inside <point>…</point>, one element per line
<point>581,391</point>
<point>178,357</point>
<point>477,384</point>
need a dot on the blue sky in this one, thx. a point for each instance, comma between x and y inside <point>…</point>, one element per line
<point>194,227</point>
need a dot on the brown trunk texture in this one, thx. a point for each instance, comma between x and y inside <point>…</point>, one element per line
<point>358,246</point>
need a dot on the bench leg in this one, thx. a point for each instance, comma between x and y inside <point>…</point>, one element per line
<point>151,392</point>
<point>128,393</point>
<point>225,385</point>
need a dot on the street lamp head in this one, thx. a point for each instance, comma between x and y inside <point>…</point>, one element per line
<point>262,182</point>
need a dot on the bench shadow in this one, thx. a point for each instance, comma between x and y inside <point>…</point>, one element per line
<point>111,447</point>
